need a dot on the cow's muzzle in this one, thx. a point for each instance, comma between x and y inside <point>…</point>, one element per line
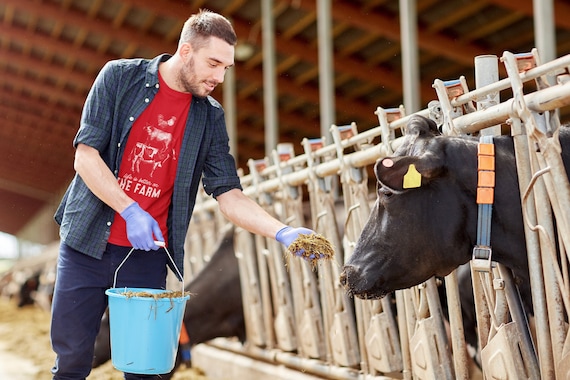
<point>347,270</point>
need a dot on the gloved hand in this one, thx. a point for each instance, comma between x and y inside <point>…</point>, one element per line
<point>288,234</point>
<point>141,227</point>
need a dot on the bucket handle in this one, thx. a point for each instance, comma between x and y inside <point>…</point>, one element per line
<point>160,244</point>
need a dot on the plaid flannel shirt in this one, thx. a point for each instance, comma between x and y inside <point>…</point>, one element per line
<point>120,93</point>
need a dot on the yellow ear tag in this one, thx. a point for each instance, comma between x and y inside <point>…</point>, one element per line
<point>412,178</point>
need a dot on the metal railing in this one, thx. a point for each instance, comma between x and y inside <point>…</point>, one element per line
<point>302,318</point>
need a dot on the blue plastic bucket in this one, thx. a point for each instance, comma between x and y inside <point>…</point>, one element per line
<point>144,330</point>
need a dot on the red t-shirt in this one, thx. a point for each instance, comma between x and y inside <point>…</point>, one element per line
<point>148,166</point>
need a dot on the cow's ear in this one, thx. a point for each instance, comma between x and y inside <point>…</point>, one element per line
<point>422,127</point>
<point>407,172</point>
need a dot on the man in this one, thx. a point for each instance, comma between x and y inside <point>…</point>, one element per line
<point>149,132</point>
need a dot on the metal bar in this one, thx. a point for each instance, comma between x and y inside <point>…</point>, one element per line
<point>269,76</point>
<point>410,60</point>
<point>406,323</point>
<point>456,326</point>
<point>290,360</point>
<point>487,72</point>
<point>504,84</point>
<point>543,344</point>
<point>326,66</point>
<point>544,28</point>
<point>544,100</point>
<point>436,313</point>
<point>555,317</point>
<point>230,108</point>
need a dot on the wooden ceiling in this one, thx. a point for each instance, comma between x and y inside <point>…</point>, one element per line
<point>51,50</point>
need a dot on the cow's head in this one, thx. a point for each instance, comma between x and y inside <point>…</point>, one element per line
<point>420,224</point>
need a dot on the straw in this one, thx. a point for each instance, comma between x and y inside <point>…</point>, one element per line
<point>311,247</point>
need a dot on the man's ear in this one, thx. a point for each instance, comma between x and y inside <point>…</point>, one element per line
<point>407,172</point>
<point>185,51</point>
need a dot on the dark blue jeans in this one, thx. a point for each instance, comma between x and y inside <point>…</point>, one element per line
<point>79,301</point>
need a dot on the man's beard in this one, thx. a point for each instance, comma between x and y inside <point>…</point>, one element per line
<point>191,85</point>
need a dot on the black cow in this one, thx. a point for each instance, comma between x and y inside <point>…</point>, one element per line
<point>28,289</point>
<point>214,309</point>
<point>415,233</point>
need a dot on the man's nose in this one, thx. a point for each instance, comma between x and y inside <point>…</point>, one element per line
<point>219,75</point>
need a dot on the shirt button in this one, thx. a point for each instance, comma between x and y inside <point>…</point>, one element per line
<point>108,223</point>
<point>148,84</point>
<point>118,145</point>
<point>157,85</point>
<point>146,100</point>
<point>131,118</point>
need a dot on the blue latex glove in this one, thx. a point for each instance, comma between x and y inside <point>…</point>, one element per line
<point>288,234</point>
<point>141,227</point>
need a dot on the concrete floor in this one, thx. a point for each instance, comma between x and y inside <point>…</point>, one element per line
<point>13,367</point>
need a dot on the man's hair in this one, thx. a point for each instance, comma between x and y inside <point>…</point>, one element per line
<point>205,24</point>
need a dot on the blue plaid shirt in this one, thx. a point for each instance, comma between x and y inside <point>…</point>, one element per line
<point>120,93</point>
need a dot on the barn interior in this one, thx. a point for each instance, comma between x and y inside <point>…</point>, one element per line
<point>301,65</point>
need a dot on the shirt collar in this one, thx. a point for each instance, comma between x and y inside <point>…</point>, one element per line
<point>151,79</point>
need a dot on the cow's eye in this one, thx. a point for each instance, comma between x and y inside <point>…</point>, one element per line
<point>384,192</point>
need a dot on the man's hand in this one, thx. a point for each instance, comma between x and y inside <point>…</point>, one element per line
<point>311,246</point>
<point>287,235</point>
<point>142,228</point>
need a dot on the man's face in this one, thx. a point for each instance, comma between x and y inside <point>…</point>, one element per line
<point>205,68</point>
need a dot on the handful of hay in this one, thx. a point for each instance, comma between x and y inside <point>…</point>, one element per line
<point>311,247</point>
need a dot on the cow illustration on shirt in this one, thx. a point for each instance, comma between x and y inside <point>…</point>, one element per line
<point>157,147</point>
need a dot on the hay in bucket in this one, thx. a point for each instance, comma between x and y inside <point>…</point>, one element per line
<point>311,247</point>
<point>166,294</point>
